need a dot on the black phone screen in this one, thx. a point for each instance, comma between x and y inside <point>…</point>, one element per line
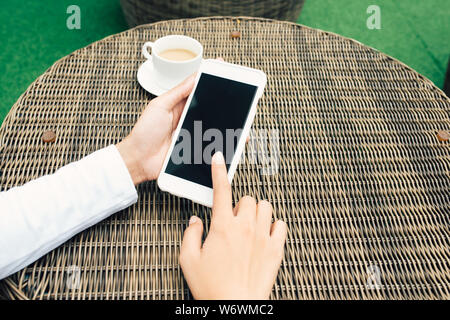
<point>214,122</point>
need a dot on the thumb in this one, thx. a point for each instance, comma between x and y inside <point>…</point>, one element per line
<point>176,95</point>
<point>192,241</point>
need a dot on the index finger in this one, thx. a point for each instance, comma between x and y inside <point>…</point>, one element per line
<point>171,98</point>
<point>222,198</point>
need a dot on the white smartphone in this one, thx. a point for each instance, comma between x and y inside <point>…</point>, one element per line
<point>217,117</point>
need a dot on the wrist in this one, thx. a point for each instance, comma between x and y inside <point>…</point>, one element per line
<point>132,161</point>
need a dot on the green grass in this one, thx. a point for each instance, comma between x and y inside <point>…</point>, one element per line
<point>34,34</point>
<point>415,32</point>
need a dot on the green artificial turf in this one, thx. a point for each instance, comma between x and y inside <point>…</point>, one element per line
<point>415,32</point>
<point>34,34</point>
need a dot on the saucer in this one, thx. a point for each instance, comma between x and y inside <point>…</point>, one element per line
<point>146,78</point>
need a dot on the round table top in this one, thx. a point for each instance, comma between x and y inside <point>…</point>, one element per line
<point>361,178</point>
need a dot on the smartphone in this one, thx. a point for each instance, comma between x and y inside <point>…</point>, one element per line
<point>217,117</point>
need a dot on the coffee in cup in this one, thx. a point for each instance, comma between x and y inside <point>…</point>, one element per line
<point>177,54</point>
<point>174,58</point>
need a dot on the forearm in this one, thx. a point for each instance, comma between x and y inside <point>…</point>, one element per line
<point>46,212</point>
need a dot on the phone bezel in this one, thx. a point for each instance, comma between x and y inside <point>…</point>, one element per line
<point>192,190</point>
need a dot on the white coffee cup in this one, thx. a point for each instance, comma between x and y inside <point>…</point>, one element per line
<point>169,73</point>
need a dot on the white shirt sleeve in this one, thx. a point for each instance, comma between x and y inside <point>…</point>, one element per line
<point>44,213</point>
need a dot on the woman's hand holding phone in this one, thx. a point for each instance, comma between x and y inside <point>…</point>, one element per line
<point>241,256</point>
<point>145,148</point>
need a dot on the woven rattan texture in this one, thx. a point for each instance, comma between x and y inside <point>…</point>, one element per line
<point>145,11</point>
<point>362,181</point>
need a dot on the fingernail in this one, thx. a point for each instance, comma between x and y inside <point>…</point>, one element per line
<point>193,220</point>
<point>218,158</point>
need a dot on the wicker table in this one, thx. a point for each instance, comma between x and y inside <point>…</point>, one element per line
<point>362,182</point>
